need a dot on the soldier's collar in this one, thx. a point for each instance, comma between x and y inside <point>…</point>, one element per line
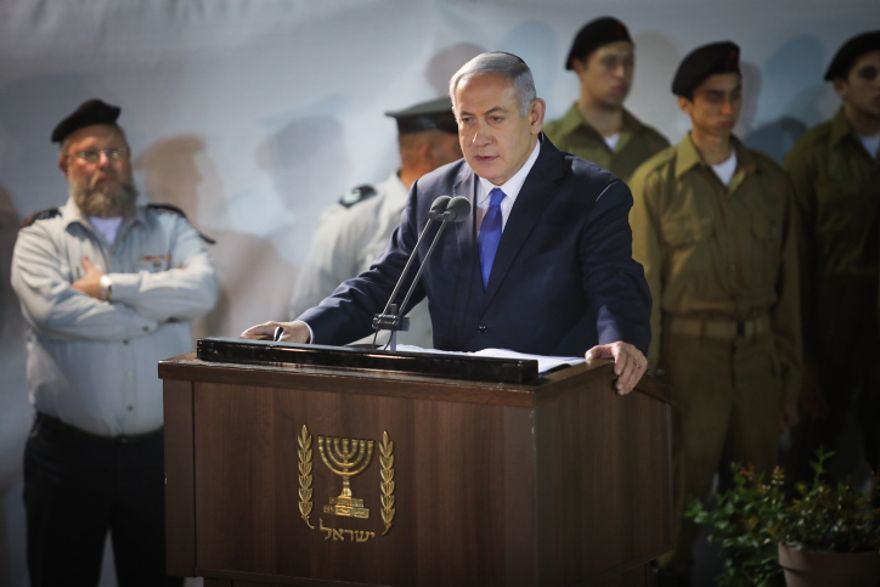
<point>572,120</point>
<point>688,156</point>
<point>70,214</point>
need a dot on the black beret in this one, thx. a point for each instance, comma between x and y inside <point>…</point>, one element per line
<point>431,115</point>
<point>850,51</point>
<point>703,62</point>
<point>596,33</point>
<point>90,112</point>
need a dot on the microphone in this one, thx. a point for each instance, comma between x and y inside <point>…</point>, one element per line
<point>438,209</point>
<point>455,210</point>
<point>392,321</point>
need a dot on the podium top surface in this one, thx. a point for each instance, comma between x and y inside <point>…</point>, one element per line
<point>465,367</point>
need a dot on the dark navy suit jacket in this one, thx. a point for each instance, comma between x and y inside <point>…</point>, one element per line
<point>563,277</point>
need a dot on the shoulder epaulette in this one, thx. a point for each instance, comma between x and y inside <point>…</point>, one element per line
<point>356,195</point>
<point>172,209</point>
<point>41,215</point>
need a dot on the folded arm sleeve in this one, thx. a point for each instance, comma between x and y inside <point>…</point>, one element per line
<point>187,290</point>
<point>53,308</point>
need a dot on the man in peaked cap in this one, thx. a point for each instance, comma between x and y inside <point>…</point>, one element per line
<point>835,170</point>
<point>714,226</point>
<point>355,230</point>
<point>597,127</point>
<point>107,288</point>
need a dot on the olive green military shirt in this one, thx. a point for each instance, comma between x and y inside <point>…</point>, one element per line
<point>636,145</point>
<point>713,251</point>
<point>837,189</point>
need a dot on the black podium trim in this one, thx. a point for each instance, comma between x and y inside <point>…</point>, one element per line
<point>467,367</point>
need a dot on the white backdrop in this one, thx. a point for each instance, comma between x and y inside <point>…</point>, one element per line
<point>254,116</point>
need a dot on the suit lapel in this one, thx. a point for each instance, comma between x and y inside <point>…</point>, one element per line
<point>464,231</point>
<point>534,197</point>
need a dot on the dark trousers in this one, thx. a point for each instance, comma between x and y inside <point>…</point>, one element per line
<point>847,345</point>
<point>77,487</point>
<point>855,386</point>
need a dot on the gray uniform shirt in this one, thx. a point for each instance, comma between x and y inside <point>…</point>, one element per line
<point>346,242</point>
<point>93,363</point>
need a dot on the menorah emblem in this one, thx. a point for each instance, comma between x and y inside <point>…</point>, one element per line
<point>346,457</point>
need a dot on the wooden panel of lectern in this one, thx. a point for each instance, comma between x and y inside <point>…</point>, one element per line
<point>314,472</point>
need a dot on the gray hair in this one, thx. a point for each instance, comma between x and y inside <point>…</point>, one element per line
<point>506,64</point>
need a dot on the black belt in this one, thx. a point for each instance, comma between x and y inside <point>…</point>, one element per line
<point>62,430</point>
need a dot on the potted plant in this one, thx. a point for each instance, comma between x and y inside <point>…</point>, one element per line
<point>765,534</point>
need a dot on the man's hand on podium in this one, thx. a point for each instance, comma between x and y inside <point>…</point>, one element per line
<point>295,331</point>
<point>629,363</point>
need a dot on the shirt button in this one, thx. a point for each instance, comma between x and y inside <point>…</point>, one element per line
<point>146,328</point>
<point>482,328</point>
<point>130,408</point>
<point>124,342</point>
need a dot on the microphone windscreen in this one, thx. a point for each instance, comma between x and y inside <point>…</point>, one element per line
<point>459,208</point>
<point>439,205</point>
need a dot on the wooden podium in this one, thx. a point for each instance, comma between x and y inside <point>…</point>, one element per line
<point>317,475</point>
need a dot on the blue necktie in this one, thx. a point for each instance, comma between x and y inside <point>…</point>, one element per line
<point>490,233</point>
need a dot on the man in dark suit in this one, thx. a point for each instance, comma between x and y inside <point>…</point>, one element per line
<point>543,265</point>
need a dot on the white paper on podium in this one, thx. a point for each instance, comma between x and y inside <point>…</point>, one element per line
<point>545,363</point>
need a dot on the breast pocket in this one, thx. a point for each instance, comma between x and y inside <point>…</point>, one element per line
<point>154,263</point>
<point>686,240</point>
<point>685,231</point>
<point>845,217</point>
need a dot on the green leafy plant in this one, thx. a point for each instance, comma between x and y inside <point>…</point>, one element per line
<point>750,518</point>
<point>831,517</point>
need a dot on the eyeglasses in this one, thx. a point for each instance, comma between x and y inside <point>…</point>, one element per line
<point>94,155</point>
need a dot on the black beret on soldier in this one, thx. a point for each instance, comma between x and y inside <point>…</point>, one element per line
<point>596,33</point>
<point>847,55</point>
<point>90,112</point>
<point>431,115</point>
<point>702,62</point>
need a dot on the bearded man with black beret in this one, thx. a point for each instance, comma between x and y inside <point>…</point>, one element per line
<point>107,288</point>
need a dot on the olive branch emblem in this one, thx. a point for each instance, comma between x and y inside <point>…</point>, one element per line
<point>386,480</point>
<point>304,454</point>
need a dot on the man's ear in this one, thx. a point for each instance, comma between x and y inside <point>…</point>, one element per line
<point>536,115</point>
<point>839,85</point>
<point>684,104</point>
<point>62,163</point>
<point>579,66</point>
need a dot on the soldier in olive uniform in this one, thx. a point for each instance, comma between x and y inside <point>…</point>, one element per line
<point>835,171</point>
<point>597,127</point>
<point>356,230</point>
<point>714,227</point>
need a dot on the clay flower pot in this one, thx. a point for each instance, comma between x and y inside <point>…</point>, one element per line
<point>816,568</point>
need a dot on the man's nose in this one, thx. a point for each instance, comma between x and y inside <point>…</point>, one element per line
<point>727,106</point>
<point>482,135</point>
<point>103,158</point>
